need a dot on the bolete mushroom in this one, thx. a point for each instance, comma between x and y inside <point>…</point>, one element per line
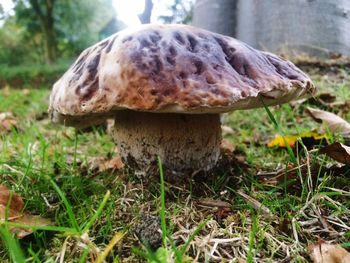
<point>165,86</point>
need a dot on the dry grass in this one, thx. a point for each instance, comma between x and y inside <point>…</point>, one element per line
<point>257,206</point>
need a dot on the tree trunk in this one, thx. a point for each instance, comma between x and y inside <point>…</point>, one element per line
<point>145,17</point>
<point>216,15</point>
<point>50,42</point>
<point>314,27</point>
<point>47,26</point>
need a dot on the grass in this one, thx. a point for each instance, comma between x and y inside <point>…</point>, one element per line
<point>94,213</point>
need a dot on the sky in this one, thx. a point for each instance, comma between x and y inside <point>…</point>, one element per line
<point>127,10</point>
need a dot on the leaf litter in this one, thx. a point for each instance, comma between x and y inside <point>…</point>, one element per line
<point>11,210</point>
<point>323,252</point>
<point>227,234</point>
<point>7,122</point>
<point>332,121</point>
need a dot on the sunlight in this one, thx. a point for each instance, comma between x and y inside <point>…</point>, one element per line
<point>127,11</point>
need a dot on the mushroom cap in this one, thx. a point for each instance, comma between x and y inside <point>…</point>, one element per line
<point>172,68</point>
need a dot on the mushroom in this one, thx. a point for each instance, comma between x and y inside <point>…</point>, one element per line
<point>166,86</point>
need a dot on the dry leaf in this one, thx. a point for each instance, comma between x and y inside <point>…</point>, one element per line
<point>326,98</point>
<point>265,211</point>
<point>16,201</point>
<point>227,145</point>
<point>214,203</point>
<point>334,122</point>
<point>338,152</point>
<point>227,130</point>
<point>322,252</point>
<point>113,164</point>
<point>322,99</point>
<point>26,92</point>
<point>7,122</point>
<point>13,212</point>
<point>102,164</point>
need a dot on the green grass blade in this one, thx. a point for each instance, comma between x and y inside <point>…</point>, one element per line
<point>12,245</point>
<point>149,255</point>
<point>97,213</point>
<point>178,255</point>
<point>192,236</point>
<point>68,207</point>
<point>162,202</point>
<point>84,255</point>
<point>280,131</point>
<point>45,228</point>
<point>252,237</point>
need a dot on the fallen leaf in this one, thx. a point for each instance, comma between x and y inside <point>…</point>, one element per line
<point>338,152</point>
<point>26,92</point>
<point>222,213</point>
<point>16,201</point>
<point>226,130</point>
<point>265,211</point>
<point>7,122</point>
<point>335,123</point>
<point>102,164</point>
<point>113,164</point>
<point>322,252</point>
<point>11,206</point>
<point>227,145</point>
<point>326,98</point>
<point>214,203</point>
<point>322,100</point>
<point>309,139</point>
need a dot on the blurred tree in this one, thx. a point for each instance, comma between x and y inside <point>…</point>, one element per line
<point>44,12</point>
<point>12,51</point>
<point>63,27</point>
<point>180,12</point>
<point>217,16</point>
<point>1,12</point>
<point>145,17</point>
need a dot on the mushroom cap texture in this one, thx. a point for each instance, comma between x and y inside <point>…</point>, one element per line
<point>172,68</point>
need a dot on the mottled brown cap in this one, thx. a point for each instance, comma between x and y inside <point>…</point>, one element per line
<point>172,68</point>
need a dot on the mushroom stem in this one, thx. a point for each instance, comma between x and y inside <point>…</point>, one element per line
<point>184,142</point>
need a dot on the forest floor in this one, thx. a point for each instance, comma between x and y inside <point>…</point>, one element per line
<point>262,203</point>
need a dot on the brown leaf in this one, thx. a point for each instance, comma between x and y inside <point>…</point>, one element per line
<point>334,122</point>
<point>13,213</point>
<point>321,100</point>
<point>7,122</point>
<point>227,145</point>
<point>322,252</point>
<point>5,196</point>
<point>113,164</point>
<point>326,98</point>
<point>265,211</point>
<point>338,152</point>
<point>102,164</point>
<point>214,203</point>
<point>29,220</point>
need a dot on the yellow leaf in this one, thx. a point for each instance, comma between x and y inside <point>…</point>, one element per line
<point>291,140</point>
